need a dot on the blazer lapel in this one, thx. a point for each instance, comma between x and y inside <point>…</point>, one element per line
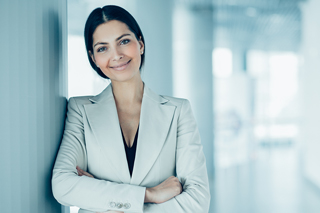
<point>155,122</point>
<point>104,122</point>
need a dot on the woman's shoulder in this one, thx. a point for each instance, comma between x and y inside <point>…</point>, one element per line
<point>165,99</point>
<point>81,99</point>
<point>175,101</point>
<point>106,93</point>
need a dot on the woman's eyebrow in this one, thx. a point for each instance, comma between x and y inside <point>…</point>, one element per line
<point>122,36</point>
<point>117,39</point>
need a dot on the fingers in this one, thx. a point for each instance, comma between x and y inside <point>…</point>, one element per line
<point>176,185</point>
<point>81,172</point>
<point>163,192</point>
<point>173,178</point>
<point>87,174</point>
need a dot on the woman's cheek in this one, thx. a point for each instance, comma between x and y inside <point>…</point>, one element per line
<point>101,60</point>
<point>134,49</point>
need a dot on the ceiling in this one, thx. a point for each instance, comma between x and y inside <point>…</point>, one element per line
<point>271,25</point>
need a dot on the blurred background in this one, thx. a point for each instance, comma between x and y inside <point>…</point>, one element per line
<point>250,70</point>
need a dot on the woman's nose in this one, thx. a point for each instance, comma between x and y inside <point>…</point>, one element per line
<point>117,55</point>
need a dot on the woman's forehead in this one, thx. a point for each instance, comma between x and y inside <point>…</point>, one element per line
<point>110,31</point>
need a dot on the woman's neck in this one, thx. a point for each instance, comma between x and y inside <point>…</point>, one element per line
<point>128,93</point>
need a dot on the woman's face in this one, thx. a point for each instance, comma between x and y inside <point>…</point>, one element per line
<point>116,51</point>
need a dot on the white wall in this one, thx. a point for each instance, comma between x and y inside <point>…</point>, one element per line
<point>310,97</point>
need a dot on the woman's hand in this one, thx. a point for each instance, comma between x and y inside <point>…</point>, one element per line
<point>83,173</point>
<point>163,192</point>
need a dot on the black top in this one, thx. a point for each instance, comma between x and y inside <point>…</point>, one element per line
<point>130,151</point>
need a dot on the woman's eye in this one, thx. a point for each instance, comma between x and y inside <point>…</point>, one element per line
<point>101,49</point>
<point>125,41</point>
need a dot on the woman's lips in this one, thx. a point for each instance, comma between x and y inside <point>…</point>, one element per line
<point>121,66</point>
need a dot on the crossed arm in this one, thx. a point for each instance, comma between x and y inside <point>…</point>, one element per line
<point>161,193</point>
<point>70,188</point>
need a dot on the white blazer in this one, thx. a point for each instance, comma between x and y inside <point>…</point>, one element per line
<point>168,145</point>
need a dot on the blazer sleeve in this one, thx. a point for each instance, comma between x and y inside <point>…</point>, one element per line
<point>190,168</point>
<point>87,193</point>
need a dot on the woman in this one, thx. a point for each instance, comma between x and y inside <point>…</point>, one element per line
<point>128,149</point>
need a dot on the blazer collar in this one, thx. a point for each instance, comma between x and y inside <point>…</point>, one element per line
<point>155,122</point>
<point>105,95</point>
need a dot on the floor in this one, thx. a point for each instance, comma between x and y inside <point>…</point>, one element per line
<point>271,183</point>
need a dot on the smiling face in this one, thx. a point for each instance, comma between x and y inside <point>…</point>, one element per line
<point>116,51</point>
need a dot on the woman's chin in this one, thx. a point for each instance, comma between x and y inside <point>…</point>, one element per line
<point>126,77</point>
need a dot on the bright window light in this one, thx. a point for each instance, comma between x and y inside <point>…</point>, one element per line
<point>276,131</point>
<point>257,63</point>
<point>283,81</point>
<point>222,62</point>
<point>260,131</point>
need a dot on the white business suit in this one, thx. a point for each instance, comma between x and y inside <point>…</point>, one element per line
<point>168,144</point>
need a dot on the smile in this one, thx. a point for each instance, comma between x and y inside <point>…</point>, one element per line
<point>121,66</point>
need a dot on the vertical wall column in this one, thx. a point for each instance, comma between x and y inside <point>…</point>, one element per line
<point>33,87</point>
<point>192,62</point>
<point>238,59</point>
<point>310,102</point>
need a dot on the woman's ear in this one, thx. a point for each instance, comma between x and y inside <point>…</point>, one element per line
<point>141,46</point>
<point>93,59</point>
<point>92,56</point>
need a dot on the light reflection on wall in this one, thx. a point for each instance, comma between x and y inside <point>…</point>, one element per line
<point>255,107</point>
<point>231,110</point>
<point>276,110</point>
<point>82,79</point>
<point>222,66</point>
<point>283,81</point>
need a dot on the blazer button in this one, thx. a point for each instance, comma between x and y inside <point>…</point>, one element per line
<point>126,205</point>
<point>112,204</point>
<point>119,205</point>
